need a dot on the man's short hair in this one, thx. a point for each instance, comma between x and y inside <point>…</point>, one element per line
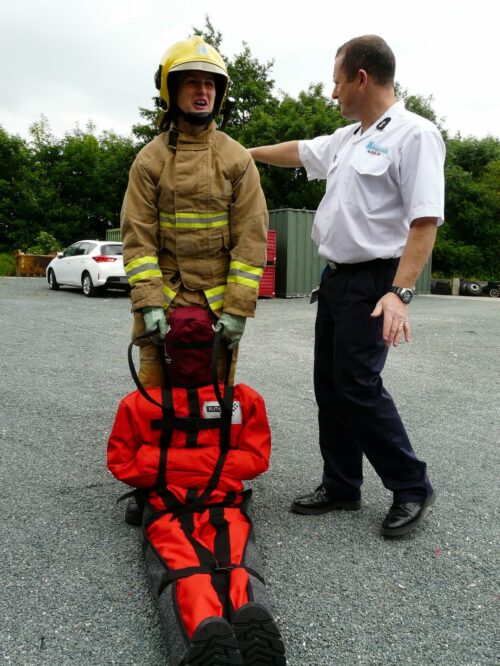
<point>370,53</point>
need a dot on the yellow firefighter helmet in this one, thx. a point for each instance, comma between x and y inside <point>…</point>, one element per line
<point>193,53</point>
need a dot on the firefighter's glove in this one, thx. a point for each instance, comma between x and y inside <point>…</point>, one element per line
<point>155,323</point>
<point>232,327</point>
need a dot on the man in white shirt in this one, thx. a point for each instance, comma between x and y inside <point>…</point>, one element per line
<point>375,227</point>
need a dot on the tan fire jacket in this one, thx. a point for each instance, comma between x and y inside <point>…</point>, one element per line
<point>194,214</point>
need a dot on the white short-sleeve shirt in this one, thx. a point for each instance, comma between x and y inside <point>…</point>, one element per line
<point>378,182</point>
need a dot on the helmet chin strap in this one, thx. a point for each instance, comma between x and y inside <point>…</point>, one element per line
<point>201,118</point>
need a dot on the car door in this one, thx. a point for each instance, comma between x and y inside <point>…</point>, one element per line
<point>86,264</point>
<point>65,268</point>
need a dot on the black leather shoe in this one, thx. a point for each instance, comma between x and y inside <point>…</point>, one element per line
<point>405,516</point>
<point>320,502</point>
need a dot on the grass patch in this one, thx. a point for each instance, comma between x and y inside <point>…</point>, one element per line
<point>7,265</point>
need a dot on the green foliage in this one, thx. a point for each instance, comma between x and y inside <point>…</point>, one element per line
<point>312,114</point>
<point>45,243</point>
<point>457,259</point>
<point>7,265</point>
<point>467,244</point>
<point>71,188</point>
<point>473,155</point>
<point>146,132</point>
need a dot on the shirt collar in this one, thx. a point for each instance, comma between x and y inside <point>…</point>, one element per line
<point>392,112</point>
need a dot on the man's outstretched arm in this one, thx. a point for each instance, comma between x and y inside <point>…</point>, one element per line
<point>284,154</point>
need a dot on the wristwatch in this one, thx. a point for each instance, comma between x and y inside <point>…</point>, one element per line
<point>404,293</point>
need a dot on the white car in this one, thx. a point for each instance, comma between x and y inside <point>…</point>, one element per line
<point>89,264</point>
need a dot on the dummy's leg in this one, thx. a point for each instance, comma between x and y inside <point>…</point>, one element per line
<point>250,611</point>
<point>190,606</point>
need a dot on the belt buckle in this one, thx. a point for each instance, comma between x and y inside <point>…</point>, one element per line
<point>333,265</point>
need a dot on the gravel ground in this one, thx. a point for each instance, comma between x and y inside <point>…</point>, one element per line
<point>74,584</point>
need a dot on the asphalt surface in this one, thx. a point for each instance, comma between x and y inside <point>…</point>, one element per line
<point>74,588</point>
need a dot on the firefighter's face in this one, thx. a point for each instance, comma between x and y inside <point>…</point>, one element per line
<point>196,92</point>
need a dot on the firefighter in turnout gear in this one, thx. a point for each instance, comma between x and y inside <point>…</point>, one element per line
<point>194,218</point>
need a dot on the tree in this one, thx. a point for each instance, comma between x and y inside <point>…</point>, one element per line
<point>146,132</point>
<point>489,191</point>
<point>467,244</point>
<point>18,192</point>
<point>311,115</point>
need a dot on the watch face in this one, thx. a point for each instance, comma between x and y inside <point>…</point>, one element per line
<point>404,294</point>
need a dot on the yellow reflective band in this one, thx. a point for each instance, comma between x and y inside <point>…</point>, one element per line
<point>239,267</point>
<point>215,297</point>
<point>142,269</point>
<point>194,220</point>
<point>240,273</point>
<point>140,262</point>
<point>168,296</point>
<point>144,275</point>
<point>254,284</point>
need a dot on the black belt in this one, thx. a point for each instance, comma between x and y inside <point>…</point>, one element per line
<point>374,263</point>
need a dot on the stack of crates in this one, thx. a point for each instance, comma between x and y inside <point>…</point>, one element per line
<point>268,280</point>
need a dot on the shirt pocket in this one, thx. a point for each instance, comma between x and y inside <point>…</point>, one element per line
<point>368,182</point>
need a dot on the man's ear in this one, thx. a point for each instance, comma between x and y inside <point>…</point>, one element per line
<point>362,78</point>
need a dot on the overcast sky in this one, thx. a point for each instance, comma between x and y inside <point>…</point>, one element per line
<point>81,60</point>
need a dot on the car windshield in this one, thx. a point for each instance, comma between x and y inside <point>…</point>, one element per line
<point>115,248</point>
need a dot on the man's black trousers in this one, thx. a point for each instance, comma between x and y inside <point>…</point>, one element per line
<point>356,414</point>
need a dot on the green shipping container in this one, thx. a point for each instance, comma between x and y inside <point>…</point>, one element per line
<point>298,266</point>
<point>423,285</point>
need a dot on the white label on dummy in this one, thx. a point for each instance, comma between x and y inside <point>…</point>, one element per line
<point>211,410</point>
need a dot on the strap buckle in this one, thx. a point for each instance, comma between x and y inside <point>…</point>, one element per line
<point>217,567</point>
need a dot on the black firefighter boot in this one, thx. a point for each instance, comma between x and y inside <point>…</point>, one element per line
<point>134,510</point>
<point>213,644</point>
<point>258,636</point>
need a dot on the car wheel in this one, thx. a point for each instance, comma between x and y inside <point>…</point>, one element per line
<point>53,283</point>
<point>494,293</point>
<point>88,285</point>
<point>473,289</point>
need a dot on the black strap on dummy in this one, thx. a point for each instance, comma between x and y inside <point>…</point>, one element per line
<point>215,568</point>
<point>169,422</point>
<point>133,371</point>
<point>226,405</point>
